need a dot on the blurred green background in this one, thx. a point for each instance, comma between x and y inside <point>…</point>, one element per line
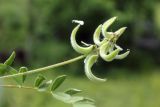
<point>39,32</point>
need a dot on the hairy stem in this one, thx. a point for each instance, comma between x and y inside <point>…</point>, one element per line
<point>45,68</point>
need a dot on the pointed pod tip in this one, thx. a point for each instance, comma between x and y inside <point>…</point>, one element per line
<point>63,76</point>
<point>100,26</point>
<point>14,52</point>
<point>128,51</point>
<point>102,80</point>
<point>114,18</point>
<point>98,79</point>
<point>124,28</point>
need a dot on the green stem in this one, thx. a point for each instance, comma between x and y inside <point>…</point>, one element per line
<point>45,68</point>
<point>17,86</point>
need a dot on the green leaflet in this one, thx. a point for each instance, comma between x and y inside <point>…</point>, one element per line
<point>3,69</point>
<point>61,96</point>
<point>76,47</point>
<point>12,71</point>
<point>89,61</point>
<point>66,98</point>
<point>44,86</point>
<point>39,80</point>
<point>10,60</point>
<point>72,91</point>
<point>57,82</point>
<point>83,104</point>
<point>22,70</point>
<point>7,69</point>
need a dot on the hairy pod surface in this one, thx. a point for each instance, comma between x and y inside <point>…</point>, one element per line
<point>96,35</point>
<point>76,47</point>
<point>104,49</point>
<point>89,61</point>
<point>106,25</point>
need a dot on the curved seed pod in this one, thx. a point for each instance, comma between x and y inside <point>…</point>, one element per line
<point>90,60</point>
<point>106,25</point>
<point>10,60</point>
<point>96,35</point>
<point>76,47</point>
<point>122,56</point>
<point>103,52</point>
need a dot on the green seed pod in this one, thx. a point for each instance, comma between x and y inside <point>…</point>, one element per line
<point>96,35</point>
<point>89,61</point>
<point>76,47</point>
<point>10,60</point>
<point>122,56</point>
<point>106,25</point>
<point>104,49</point>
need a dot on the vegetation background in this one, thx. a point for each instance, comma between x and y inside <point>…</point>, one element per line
<point>39,32</point>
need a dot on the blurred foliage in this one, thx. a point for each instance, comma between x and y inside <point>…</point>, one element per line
<point>119,91</point>
<point>39,30</point>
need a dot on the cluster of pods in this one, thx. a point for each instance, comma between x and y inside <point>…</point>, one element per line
<point>105,46</point>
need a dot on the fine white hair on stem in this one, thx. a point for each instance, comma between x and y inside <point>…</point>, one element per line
<point>78,21</point>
